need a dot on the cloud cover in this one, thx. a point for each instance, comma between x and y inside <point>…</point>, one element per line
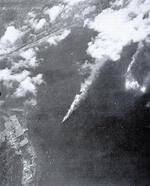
<point>9,38</point>
<point>117,26</point>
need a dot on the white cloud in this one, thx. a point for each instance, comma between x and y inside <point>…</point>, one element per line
<point>119,3</point>
<point>39,24</point>
<point>88,10</point>
<point>130,22</point>
<point>11,35</point>
<point>7,75</point>
<point>38,80</point>
<point>28,54</point>
<point>28,86</point>
<point>54,40</point>
<point>117,28</point>
<point>54,12</point>
<point>25,87</point>
<point>29,58</point>
<point>73,2</point>
<point>31,15</point>
<point>9,38</point>
<point>34,22</point>
<point>20,82</point>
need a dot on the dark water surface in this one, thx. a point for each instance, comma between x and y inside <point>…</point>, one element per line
<point>106,140</point>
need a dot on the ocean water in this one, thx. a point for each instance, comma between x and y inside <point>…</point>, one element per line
<point>74,93</point>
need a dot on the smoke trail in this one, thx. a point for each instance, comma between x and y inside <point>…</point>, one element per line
<point>117,28</point>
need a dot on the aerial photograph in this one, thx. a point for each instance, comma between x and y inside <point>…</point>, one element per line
<point>74,92</point>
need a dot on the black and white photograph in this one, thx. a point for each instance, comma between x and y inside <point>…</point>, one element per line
<point>74,92</point>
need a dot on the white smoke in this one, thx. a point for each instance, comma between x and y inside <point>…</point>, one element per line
<point>130,82</point>
<point>117,28</point>
<point>83,90</point>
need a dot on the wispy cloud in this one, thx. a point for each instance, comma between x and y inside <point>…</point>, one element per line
<point>54,40</point>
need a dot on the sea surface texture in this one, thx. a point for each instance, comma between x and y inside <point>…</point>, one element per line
<point>74,92</point>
